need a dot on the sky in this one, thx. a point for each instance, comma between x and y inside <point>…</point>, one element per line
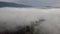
<point>36,3</point>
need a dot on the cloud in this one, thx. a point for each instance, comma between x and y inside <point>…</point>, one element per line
<point>8,0</point>
<point>55,4</point>
<point>40,3</point>
<point>37,3</point>
<point>12,17</point>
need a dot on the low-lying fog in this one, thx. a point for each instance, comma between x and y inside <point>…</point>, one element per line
<point>12,17</point>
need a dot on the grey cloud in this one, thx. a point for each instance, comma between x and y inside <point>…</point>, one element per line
<point>37,3</point>
<point>8,0</point>
<point>40,3</point>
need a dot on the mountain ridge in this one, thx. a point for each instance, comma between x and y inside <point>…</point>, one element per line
<point>9,4</point>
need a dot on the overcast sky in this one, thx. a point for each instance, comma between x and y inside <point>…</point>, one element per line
<point>54,3</point>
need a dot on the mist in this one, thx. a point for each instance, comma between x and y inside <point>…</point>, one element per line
<point>11,17</point>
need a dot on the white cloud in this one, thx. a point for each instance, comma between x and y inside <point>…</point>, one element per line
<point>24,16</point>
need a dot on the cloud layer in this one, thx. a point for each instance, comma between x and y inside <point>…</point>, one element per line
<point>12,17</point>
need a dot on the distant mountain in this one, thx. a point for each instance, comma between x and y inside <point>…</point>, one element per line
<point>7,4</point>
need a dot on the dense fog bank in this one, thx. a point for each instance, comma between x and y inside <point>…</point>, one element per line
<point>10,18</point>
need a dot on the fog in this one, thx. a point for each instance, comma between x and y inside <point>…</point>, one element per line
<point>12,17</point>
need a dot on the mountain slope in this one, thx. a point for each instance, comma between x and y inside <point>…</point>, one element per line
<point>7,4</point>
